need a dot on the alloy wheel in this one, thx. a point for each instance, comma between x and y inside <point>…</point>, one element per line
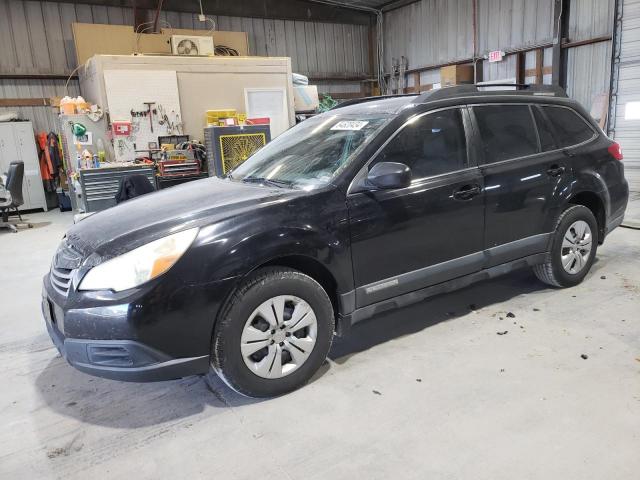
<point>279,336</point>
<point>576,247</point>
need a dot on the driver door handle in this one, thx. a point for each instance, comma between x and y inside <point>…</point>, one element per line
<point>467,192</point>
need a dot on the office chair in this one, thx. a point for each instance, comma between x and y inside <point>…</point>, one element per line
<point>11,196</point>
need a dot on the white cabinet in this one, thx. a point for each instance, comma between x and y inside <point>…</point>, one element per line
<point>17,143</point>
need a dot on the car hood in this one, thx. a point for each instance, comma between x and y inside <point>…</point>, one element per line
<point>152,216</point>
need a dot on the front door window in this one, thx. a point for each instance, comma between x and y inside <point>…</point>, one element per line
<point>430,145</point>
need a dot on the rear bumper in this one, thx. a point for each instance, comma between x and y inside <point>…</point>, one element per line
<point>614,223</point>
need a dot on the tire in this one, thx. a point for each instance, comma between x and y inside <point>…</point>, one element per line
<point>553,272</point>
<point>247,323</point>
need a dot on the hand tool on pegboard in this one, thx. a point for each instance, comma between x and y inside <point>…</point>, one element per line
<point>150,111</point>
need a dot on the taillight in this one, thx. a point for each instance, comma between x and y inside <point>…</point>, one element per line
<point>615,151</point>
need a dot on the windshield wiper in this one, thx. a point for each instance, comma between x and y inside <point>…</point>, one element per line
<point>268,181</point>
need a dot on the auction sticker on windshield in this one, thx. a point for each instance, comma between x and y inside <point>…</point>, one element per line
<point>349,125</point>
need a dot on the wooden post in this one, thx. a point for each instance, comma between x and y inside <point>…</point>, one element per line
<point>416,82</point>
<point>520,64</point>
<point>539,66</point>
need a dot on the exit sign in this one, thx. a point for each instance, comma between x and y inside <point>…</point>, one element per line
<point>496,56</point>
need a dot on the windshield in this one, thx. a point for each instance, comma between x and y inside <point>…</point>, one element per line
<point>310,154</point>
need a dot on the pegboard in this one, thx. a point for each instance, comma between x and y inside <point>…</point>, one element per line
<point>128,90</point>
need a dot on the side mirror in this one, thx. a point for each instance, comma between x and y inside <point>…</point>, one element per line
<point>388,175</point>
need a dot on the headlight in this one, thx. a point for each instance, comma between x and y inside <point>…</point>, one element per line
<point>139,265</point>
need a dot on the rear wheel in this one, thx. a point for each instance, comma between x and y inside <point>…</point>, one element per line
<point>573,248</point>
<point>274,333</point>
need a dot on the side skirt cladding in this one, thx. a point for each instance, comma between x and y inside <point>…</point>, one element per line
<point>363,313</point>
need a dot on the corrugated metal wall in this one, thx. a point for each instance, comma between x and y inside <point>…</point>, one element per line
<point>512,24</point>
<point>589,66</point>
<point>43,118</point>
<point>506,24</point>
<point>588,72</point>
<point>437,31</point>
<point>36,38</point>
<point>316,49</point>
<point>590,18</point>
<point>429,32</point>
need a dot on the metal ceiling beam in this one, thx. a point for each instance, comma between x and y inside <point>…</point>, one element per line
<point>395,4</point>
<point>156,18</point>
<point>278,9</point>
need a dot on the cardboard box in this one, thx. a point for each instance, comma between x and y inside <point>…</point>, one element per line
<point>154,43</point>
<point>305,98</point>
<point>93,38</point>
<point>456,75</point>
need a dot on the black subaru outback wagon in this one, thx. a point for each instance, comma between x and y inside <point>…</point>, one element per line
<point>369,206</point>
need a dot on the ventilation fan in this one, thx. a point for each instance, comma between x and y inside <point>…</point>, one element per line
<point>191,45</point>
<point>235,149</point>
<point>228,147</point>
<point>187,47</point>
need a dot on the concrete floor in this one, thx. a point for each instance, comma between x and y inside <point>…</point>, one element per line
<point>428,392</point>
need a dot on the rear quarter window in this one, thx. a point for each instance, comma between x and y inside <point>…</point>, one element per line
<point>567,126</point>
<point>547,142</point>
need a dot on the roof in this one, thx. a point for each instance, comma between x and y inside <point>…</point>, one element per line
<point>395,103</point>
<point>491,90</point>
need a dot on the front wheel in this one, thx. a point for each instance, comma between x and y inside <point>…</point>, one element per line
<point>573,249</point>
<point>273,334</point>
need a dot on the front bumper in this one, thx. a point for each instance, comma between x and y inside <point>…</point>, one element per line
<point>147,336</point>
<point>125,360</point>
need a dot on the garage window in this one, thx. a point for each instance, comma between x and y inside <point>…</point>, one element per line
<point>568,127</point>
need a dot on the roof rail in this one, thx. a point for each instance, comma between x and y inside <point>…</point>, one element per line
<point>355,101</point>
<point>477,90</point>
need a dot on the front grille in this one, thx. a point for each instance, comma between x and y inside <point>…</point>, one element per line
<point>66,260</point>
<point>60,279</point>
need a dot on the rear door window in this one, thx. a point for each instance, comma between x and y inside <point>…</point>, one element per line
<point>568,127</point>
<point>546,137</point>
<point>507,131</point>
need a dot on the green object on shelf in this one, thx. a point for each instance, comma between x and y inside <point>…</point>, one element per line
<point>326,104</point>
<point>78,129</point>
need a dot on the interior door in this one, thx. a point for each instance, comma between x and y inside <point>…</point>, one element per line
<point>522,172</point>
<point>432,231</point>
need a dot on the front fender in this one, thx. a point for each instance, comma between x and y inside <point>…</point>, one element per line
<point>328,248</point>
<point>314,226</point>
